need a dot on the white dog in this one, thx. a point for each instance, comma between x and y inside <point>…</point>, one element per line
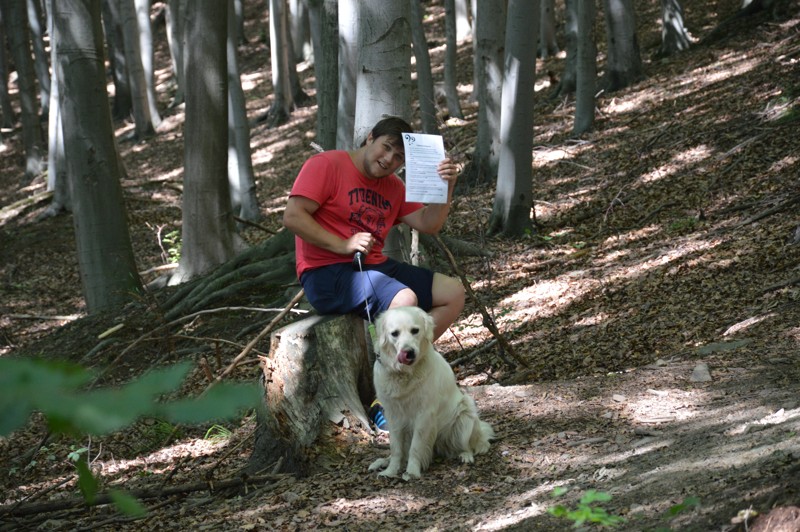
<point>424,407</point>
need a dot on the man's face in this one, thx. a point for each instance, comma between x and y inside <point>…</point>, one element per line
<point>382,157</point>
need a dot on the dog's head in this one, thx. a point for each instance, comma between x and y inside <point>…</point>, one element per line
<point>404,333</point>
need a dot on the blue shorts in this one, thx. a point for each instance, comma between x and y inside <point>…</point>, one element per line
<point>342,289</point>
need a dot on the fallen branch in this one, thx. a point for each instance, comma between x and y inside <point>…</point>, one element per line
<point>10,211</point>
<point>769,212</point>
<point>249,347</point>
<point>782,284</point>
<point>488,322</point>
<point>141,494</point>
<point>253,224</point>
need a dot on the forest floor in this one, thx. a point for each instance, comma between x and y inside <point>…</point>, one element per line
<point>667,242</point>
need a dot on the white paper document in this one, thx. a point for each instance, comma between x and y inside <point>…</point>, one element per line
<point>423,155</point>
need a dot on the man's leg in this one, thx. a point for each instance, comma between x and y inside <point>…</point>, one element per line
<point>448,302</point>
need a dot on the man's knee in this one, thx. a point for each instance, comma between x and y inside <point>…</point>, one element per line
<point>449,290</point>
<point>404,298</point>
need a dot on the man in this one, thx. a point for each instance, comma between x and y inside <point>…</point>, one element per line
<point>344,202</point>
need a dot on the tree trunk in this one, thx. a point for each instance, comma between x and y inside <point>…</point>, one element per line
<point>240,162</point>
<point>426,98</point>
<point>586,69</point>
<point>176,23</point>
<point>108,270</point>
<point>123,97</point>
<point>489,33</point>
<point>511,213</point>
<point>318,375</point>
<point>238,7</point>
<point>207,234</point>
<point>144,124</point>
<point>348,73</point>
<point>147,58</point>
<point>624,63</point>
<point>56,162</point>
<point>299,30</point>
<point>41,62</point>
<point>15,23</point>
<point>323,17</point>
<point>450,58</point>
<point>569,77</point>
<point>5,98</point>
<point>548,46</point>
<point>674,35</point>
<point>463,25</point>
<point>280,49</point>
<point>383,86</point>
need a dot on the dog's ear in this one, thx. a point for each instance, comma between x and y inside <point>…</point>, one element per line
<point>380,335</point>
<point>430,325</point>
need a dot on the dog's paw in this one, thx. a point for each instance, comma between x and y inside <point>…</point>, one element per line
<point>411,476</point>
<point>380,463</point>
<point>467,458</point>
<point>413,471</point>
<point>388,472</point>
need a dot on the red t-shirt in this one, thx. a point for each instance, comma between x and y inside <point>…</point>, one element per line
<point>349,203</point>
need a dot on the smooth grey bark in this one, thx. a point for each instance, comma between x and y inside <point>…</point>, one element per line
<point>511,212</point>
<point>383,85</point>
<point>280,51</point>
<point>490,35</point>
<point>569,79</point>
<point>176,22</point>
<point>586,69</point>
<point>208,228</point>
<point>426,98</point>
<point>143,120</point>
<point>463,24</point>
<point>238,7</point>
<point>15,24</point>
<point>41,63</point>
<point>108,271</point>
<point>674,35</point>
<point>241,177</point>
<point>548,46</point>
<point>348,69</point>
<point>300,30</point>
<point>624,63</point>
<point>123,98</point>
<point>147,57</point>
<point>450,61</point>
<point>5,98</point>
<point>324,22</point>
<point>57,181</point>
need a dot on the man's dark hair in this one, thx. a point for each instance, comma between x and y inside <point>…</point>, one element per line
<point>393,127</point>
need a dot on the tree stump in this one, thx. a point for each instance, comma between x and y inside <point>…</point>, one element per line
<point>318,373</point>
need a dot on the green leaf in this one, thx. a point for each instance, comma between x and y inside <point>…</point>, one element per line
<point>127,503</point>
<point>688,502</point>
<point>15,414</point>
<point>220,402</point>
<point>595,496</point>
<point>86,481</point>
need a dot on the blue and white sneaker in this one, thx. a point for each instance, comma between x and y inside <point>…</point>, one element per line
<point>377,417</point>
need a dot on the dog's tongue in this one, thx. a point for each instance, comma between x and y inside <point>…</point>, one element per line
<point>403,358</point>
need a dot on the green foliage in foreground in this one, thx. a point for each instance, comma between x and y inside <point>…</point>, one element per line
<point>585,511</point>
<point>55,389</point>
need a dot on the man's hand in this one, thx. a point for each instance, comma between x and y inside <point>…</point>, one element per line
<point>362,242</point>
